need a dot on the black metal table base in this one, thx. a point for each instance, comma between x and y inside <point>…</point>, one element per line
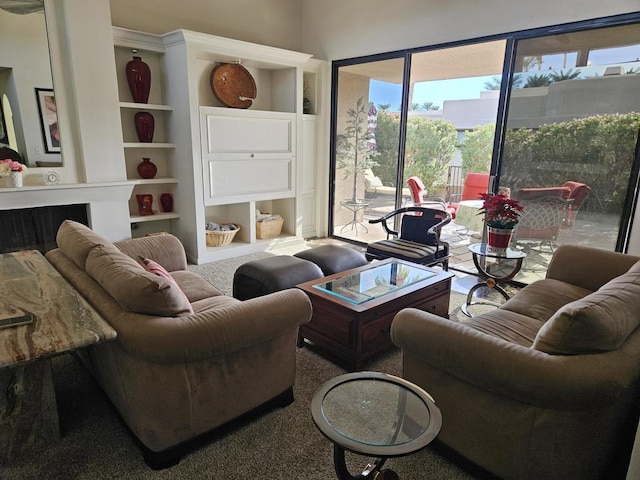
<point>371,471</point>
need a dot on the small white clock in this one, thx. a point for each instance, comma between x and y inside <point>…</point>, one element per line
<point>52,178</point>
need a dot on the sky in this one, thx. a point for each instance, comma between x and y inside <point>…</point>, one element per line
<point>467,88</point>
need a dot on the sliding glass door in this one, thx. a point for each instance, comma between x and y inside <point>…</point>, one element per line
<point>570,140</point>
<point>550,116</point>
<point>366,144</point>
<point>435,123</point>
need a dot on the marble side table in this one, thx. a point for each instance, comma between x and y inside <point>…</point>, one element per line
<point>61,321</point>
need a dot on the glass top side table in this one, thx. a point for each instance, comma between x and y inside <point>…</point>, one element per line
<point>492,279</point>
<point>376,415</point>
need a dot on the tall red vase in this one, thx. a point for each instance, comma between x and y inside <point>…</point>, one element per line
<point>138,79</point>
<point>145,125</point>
<point>147,169</point>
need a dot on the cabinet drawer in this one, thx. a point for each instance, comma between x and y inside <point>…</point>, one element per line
<point>376,334</point>
<point>232,134</point>
<point>226,178</point>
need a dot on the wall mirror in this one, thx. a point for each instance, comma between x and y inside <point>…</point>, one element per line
<point>28,122</point>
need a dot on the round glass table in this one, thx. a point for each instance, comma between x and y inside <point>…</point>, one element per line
<point>376,415</point>
<point>508,257</point>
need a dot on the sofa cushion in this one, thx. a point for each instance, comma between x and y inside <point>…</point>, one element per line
<point>194,286</point>
<point>505,325</point>
<point>133,287</point>
<point>600,322</point>
<point>543,298</point>
<point>76,240</point>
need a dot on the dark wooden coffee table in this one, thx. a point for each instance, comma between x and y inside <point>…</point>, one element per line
<point>353,310</point>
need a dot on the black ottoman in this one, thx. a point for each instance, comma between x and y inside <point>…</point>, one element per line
<point>272,274</point>
<point>333,258</point>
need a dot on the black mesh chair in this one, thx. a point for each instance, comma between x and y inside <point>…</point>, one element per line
<point>418,240</point>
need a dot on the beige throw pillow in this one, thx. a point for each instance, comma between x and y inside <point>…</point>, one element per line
<point>133,287</point>
<point>599,322</point>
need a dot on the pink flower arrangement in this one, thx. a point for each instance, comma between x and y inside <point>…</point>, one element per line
<point>7,166</point>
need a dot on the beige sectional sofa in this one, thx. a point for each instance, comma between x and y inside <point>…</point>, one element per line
<point>547,386</point>
<point>187,359</point>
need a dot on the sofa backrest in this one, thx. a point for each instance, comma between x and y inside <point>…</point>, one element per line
<point>76,240</point>
<point>134,288</point>
<point>599,322</point>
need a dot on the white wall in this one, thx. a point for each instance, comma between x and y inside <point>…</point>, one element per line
<point>268,22</point>
<point>338,29</point>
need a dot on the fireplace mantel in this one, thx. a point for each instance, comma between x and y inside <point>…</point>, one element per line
<point>64,194</point>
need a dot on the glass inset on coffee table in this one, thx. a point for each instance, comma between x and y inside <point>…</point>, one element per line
<point>375,415</point>
<point>370,284</point>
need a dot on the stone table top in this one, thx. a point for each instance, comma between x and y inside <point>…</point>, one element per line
<point>62,319</point>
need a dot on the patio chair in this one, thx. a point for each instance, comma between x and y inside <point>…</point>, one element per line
<point>545,210</point>
<point>418,240</point>
<point>578,192</point>
<point>474,185</point>
<point>418,195</point>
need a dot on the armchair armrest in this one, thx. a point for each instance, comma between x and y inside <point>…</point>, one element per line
<point>165,249</point>
<point>215,332</point>
<point>525,375</point>
<point>588,267</point>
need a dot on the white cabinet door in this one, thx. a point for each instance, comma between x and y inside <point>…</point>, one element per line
<point>247,155</point>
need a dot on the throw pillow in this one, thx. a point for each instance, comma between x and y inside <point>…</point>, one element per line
<point>154,267</point>
<point>599,322</point>
<point>133,287</point>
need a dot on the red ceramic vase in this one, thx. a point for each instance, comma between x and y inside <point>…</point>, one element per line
<point>138,79</point>
<point>166,201</point>
<point>147,169</point>
<point>145,125</point>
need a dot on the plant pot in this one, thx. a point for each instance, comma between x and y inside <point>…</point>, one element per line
<point>499,239</point>
<point>14,180</point>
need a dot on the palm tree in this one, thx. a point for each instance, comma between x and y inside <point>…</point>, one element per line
<point>536,80</point>
<point>562,75</point>
<point>429,106</point>
<point>496,82</point>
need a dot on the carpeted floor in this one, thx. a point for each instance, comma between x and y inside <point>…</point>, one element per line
<point>281,444</point>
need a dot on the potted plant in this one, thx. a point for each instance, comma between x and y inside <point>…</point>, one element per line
<point>502,214</point>
<point>354,154</point>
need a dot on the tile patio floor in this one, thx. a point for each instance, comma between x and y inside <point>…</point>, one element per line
<point>590,229</point>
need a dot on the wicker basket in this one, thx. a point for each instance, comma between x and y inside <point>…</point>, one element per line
<point>269,229</point>
<point>217,238</point>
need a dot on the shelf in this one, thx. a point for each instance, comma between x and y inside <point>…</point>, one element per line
<point>153,218</point>
<point>146,106</point>
<point>153,181</point>
<point>148,145</point>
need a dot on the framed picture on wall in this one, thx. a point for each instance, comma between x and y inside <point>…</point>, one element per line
<point>48,119</point>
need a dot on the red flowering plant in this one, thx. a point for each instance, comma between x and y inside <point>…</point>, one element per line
<point>500,211</point>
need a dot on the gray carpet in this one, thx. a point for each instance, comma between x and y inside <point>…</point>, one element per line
<point>281,444</point>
